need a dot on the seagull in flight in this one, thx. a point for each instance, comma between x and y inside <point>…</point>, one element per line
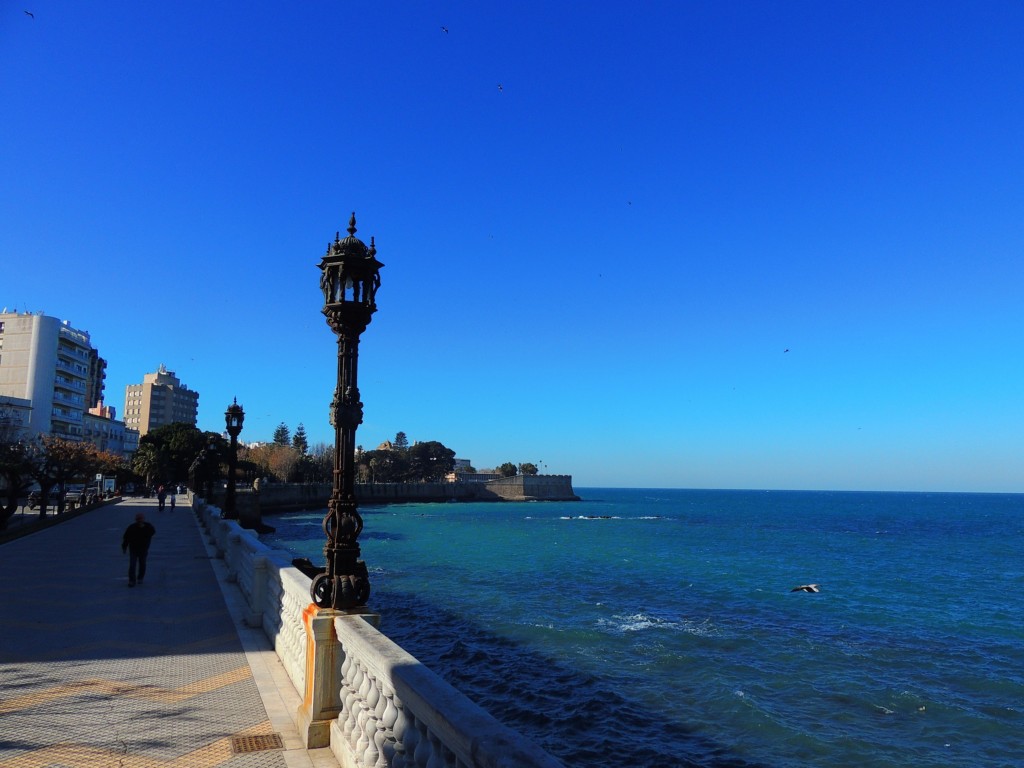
<point>30,14</point>
<point>445,30</point>
<point>500,89</point>
<point>806,588</point>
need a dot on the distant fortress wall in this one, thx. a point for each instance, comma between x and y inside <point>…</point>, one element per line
<point>281,497</point>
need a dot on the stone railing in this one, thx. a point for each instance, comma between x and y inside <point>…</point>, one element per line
<point>374,704</point>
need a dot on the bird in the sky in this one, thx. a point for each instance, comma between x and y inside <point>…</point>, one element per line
<point>30,14</point>
<point>445,30</point>
<point>806,588</point>
<point>500,89</point>
<point>785,351</point>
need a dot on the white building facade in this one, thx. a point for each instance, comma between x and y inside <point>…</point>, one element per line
<point>47,362</point>
<point>51,376</point>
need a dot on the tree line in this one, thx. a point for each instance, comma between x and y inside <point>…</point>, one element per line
<point>290,458</point>
<point>52,463</point>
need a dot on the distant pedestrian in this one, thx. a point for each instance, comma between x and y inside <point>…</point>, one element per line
<point>161,497</point>
<point>136,543</point>
<point>172,501</point>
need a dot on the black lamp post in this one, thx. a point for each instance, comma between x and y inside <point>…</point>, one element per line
<point>350,276</point>
<point>233,418</point>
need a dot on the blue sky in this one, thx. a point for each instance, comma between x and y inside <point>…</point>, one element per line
<point>597,267</point>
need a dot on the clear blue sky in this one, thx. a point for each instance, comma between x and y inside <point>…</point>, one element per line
<point>597,267</point>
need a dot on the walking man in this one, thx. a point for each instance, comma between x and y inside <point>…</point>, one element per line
<point>136,543</point>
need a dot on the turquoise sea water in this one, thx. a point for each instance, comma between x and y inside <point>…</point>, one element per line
<point>657,627</point>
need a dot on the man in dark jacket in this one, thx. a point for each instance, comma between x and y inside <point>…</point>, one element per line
<point>136,543</point>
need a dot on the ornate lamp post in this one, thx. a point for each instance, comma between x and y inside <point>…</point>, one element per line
<point>233,418</point>
<point>349,280</point>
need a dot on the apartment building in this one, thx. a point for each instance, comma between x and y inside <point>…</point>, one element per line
<point>51,383</point>
<point>52,366</point>
<point>159,400</point>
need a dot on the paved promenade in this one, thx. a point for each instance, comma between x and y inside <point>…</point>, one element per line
<point>95,674</point>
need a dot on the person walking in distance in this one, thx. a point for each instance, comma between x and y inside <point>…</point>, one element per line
<point>136,543</point>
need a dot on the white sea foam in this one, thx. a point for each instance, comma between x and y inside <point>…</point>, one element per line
<point>639,622</point>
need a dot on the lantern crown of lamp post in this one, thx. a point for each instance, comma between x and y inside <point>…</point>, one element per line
<point>349,279</point>
<point>233,418</point>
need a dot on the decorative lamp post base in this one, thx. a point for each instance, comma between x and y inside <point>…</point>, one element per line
<point>342,592</point>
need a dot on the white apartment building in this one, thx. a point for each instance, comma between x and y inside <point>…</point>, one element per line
<point>51,377</point>
<point>46,362</point>
<point>159,400</point>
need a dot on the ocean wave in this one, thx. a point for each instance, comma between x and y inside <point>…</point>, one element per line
<point>610,517</point>
<point>639,622</point>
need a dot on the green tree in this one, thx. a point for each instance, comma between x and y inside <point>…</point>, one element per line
<point>177,446</point>
<point>146,462</point>
<point>508,469</point>
<point>75,462</point>
<point>430,461</point>
<point>526,468</point>
<point>401,442</point>
<point>282,435</point>
<point>299,441</point>
<point>387,466</point>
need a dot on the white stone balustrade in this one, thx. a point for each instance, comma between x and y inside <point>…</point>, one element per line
<point>374,703</point>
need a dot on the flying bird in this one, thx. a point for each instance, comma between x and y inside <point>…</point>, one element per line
<point>445,30</point>
<point>785,351</point>
<point>806,588</point>
<point>30,14</point>
<point>500,89</point>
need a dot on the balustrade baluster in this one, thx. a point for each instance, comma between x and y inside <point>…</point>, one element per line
<point>373,697</point>
<point>436,753</point>
<point>407,737</point>
<point>352,704</point>
<point>371,723</point>
<point>385,746</point>
<point>381,704</point>
<point>389,713</point>
<point>364,713</point>
<point>368,757</point>
<point>423,748</point>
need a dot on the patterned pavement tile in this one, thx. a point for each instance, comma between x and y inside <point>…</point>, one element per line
<point>95,674</point>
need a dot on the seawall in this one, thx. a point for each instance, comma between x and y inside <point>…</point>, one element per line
<point>280,497</point>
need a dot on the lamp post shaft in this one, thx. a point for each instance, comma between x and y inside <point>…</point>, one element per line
<point>230,512</point>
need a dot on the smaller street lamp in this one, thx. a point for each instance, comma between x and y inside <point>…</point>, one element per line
<point>233,418</point>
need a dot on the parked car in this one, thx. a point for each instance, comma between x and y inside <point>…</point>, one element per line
<point>74,493</point>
